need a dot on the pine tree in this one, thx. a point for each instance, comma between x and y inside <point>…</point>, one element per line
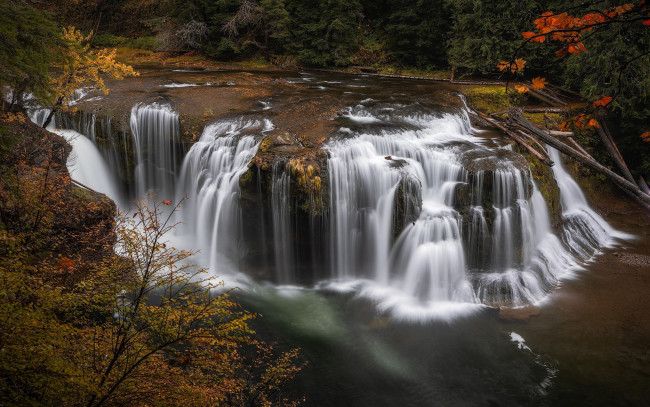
<point>28,44</point>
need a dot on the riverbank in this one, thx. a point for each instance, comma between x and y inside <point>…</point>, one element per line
<point>595,328</point>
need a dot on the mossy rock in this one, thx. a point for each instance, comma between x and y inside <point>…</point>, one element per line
<point>487,98</point>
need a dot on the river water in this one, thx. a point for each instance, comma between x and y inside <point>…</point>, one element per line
<point>441,280</point>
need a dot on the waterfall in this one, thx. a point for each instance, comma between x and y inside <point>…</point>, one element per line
<point>209,178</point>
<point>584,231</point>
<point>156,138</point>
<point>494,247</point>
<point>422,212</point>
<point>85,163</point>
<point>427,260</point>
<point>282,232</point>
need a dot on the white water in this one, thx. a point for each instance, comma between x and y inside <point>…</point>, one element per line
<point>584,230</point>
<point>281,214</point>
<point>209,178</point>
<point>156,139</point>
<point>85,163</point>
<point>444,257</point>
<point>515,257</point>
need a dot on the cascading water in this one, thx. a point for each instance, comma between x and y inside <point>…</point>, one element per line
<point>209,178</point>
<point>505,253</point>
<point>156,138</point>
<point>366,172</point>
<point>282,233</point>
<point>85,163</point>
<point>584,231</point>
<point>410,223</point>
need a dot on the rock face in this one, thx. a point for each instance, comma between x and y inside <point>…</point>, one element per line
<point>284,195</point>
<point>72,221</point>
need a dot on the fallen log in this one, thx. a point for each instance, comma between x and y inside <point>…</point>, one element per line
<point>542,157</point>
<point>556,133</point>
<point>534,110</point>
<point>608,141</point>
<point>517,116</point>
<point>550,99</point>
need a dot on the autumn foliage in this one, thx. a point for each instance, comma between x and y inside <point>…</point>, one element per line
<point>570,31</point>
<point>96,311</point>
<point>81,68</point>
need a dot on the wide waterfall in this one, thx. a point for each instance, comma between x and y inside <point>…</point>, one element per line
<point>425,215</point>
<point>496,247</point>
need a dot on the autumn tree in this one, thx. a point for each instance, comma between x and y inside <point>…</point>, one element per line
<point>604,49</point>
<point>79,67</point>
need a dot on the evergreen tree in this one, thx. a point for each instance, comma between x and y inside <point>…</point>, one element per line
<point>325,32</point>
<point>485,32</point>
<point>277,23</point>
<point>28,42</point>
<point>418,32</point>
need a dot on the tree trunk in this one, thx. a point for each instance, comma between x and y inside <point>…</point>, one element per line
<point>49,118</point>
<point>607,139</point>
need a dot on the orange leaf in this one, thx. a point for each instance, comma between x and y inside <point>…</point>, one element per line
<point>593,123</point>
<point>604,101</point>
<point>519,65</point>
<point>646,136</point>
<point>624,8</point>
<point>564,126</point>
<point>166,202</point>
<point>539,83</point>
<point>540,39</point>
<point>522,88</point>
<point>528,35</point>
<point>503,65</point>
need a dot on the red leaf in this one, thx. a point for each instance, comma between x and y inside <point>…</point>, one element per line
<point>604,101</point>
<point>166,202</point>
<point>646,22</point>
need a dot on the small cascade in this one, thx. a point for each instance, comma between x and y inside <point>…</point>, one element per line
<point>511,220</point>
<point>362,190</point>
<point>115,147</point>
<point>584,231</point>
<point>282,231</point>
<point>85,163</point>
<point>39,116</point>
<point>209,178</point>
<point>158,149</point>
